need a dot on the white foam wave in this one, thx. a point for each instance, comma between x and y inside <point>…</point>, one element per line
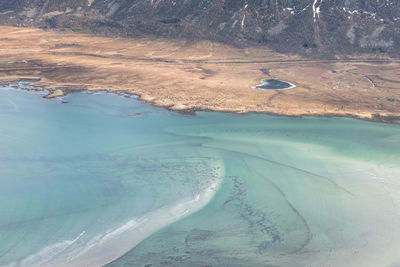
<point>46,254</point>
<point>117,241</point>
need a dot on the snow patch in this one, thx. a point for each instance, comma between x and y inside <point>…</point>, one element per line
<point>352,12</point>
<point>316,9</point>
<point>290,10</point>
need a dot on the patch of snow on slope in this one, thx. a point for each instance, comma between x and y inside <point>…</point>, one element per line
<point>316,9</point>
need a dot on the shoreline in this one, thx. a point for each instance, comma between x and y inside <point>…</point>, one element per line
<point>112,236</point>
<point>49,94</point>
<point>204,76</point>
<point>106,247</point>
<point>260,186</point>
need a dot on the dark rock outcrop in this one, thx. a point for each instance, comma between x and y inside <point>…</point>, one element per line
<point>312,27</point>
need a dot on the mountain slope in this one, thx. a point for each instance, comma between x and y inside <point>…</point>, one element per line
<point>312,27</point>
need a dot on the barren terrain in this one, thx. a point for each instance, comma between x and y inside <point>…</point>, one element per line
<point>202,75</point>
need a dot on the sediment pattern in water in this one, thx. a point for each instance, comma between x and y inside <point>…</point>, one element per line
<point>83,183</point>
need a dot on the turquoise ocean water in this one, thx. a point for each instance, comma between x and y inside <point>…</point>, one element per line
<point>108,180</point>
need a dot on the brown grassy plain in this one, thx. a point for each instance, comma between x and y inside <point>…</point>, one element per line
<point>203,75</point>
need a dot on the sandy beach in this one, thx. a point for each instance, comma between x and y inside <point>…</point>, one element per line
<point>201,76</point>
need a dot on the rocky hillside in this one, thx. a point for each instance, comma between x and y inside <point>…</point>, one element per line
<point>312,27</point>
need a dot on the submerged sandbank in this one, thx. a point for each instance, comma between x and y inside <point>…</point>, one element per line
<point>113,180</point>
<point>295,191</point>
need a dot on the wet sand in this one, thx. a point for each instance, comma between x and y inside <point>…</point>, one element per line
<point>202,76</point>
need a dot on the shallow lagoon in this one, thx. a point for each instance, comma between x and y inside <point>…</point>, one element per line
<point>84,182</point>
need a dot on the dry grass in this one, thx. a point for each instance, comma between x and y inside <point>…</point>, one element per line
<point>201,76</point>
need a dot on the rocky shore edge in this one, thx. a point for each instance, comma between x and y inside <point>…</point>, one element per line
<point>56,92</point>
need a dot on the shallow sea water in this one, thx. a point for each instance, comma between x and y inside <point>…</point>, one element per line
<point>103,176</point>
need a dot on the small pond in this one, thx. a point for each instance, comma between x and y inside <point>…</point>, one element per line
<point>274,84</point>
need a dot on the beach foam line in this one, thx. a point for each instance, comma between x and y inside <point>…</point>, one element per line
<point>114,243</point>
<point>46,254</point>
